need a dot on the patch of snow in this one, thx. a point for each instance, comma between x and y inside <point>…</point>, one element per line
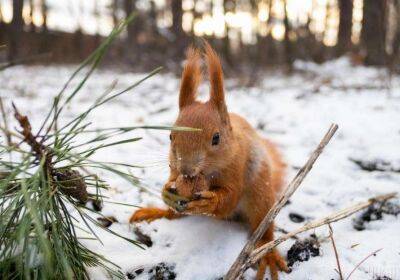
<point>294,112</point>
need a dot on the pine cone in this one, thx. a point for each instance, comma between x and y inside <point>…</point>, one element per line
<point>72,184</point>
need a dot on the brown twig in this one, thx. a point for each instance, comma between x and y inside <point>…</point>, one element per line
<point>339,268</point>
<point>361,262</point>
<point>258,253</point>
<point>284,231</point>
<point>237,268</point>
<point>38,149</point>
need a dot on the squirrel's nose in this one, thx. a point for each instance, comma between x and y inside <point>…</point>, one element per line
<point>188,171</point>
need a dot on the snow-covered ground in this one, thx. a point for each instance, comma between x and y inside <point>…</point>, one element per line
<point>293,111</point>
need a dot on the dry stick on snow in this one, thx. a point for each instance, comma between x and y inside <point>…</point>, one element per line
<point>362,261</point>
<point>237,269</point>
<point>258,253</point>
<point>339,268</point>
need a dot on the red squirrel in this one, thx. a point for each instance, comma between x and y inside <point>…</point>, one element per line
<point>230,168</point>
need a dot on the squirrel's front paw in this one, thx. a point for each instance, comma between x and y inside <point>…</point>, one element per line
<point>149,215</point>
<point>205,203</point>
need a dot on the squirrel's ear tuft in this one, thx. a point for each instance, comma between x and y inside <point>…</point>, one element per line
<point>191,77</point>
<point>216,76</point>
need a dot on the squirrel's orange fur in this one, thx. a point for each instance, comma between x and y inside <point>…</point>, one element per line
<point>245,171</point>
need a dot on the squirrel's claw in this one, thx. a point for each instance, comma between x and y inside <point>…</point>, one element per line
<point>204,195</point>
<point>275,262</point>
<point>205,203</point>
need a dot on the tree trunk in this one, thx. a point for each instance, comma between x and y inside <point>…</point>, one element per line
<point>114,12</point>
<point>43,7</point>
<point>32,26</point>
<point>17,19</point>
<point>17,25</point>
<point>177,29</point>
<point>133,44</point>
<point>153,19</point>
<point>128,7</point>
<point>1,14</point>
<point>287,42</point>
<point>396,40</point>
<point>345,26</point>
<point>177,14</point>
<point>373,31</point>
<point>228,6</point>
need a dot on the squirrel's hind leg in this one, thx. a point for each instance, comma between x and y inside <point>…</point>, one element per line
<point>273,259</point>
<point>275,262</point>
<point>150,214</point>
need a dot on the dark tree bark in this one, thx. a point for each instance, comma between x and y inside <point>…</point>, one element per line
<point>44,9</point>
<point>96,15</point>
<point>345,25</point>
<point>17,19</point>
<point>138,24</point>
<point>114,11</point>
<point>395,57</point>
<point>229,6</point>
<point>1,13</point>
<point>153,19</point>
<point>287,42</point>
<point>32,26</point>
<point>373,31</point>
<point>196,15</point>
<point>177,14</point>
<point>17,25</point>
<point>177,29</point>
<point>271,49</point>
<point>135,30</point>
<point>128,8</point>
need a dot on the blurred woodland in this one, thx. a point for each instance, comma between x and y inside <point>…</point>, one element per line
<point>253,33</point>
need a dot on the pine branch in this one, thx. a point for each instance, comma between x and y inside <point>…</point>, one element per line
<point>40,151</point>
<point>38,191</point>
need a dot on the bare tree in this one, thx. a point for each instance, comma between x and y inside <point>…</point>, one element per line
<point>128,8</point>
<point>287,42</point>
<point>177,14</point>
<point>1,13</point>
<point>373,31</point>
<point>270,43</point>
<point>17,20</point>
<point>228,6</point>
<point>17,25</point>
<point>97,16</point>
<point>396,39</point>
<point>114,12</point>
<point>32,26</point>
<point>196,15</point>
<point>345,26</point>
<point>177,28</point>
<point>153,18</point>
<point>44,10</point>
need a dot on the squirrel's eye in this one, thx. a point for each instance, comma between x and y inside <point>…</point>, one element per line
<point>170,137</point>
<point>215,139</point>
